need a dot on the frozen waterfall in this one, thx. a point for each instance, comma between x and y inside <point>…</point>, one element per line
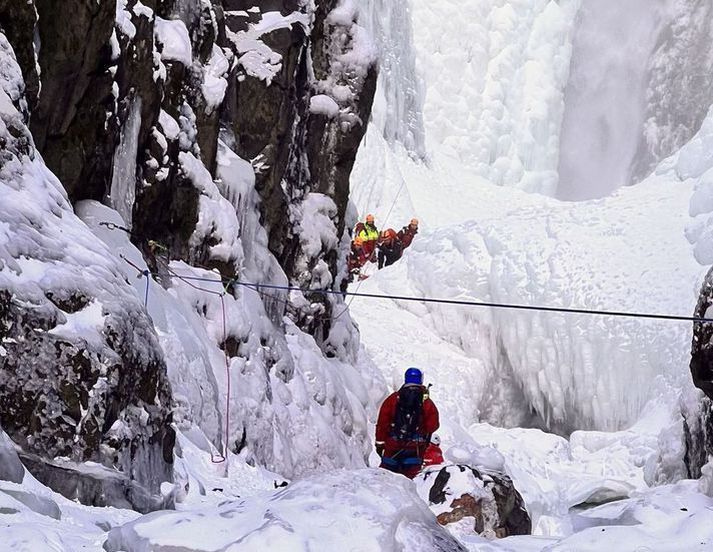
<point>399,96</point>
<point>639,88</point>
<point>123,181</point>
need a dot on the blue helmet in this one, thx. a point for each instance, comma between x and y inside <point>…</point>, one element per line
<point>413,375</point>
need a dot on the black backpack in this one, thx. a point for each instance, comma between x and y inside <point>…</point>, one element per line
<point>408,415</point>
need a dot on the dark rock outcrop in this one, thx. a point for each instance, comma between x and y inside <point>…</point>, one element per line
<point>128,108</point>
<point>63,398</point>
<point>702,345</point>
<point>698,426</point>
<point>17,23</point>
<point>489,499</point>
<point>73,124</point>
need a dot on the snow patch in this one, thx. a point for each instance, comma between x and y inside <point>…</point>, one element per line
<point>174,37</point>
<point>322,104</point>
<point>214,84</point>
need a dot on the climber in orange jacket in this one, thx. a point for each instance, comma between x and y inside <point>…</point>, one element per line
<point>407,419</point>
<point>357,258</point>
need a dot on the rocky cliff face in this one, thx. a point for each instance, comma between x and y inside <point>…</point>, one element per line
<point>699,428</point>
<point>130,96</point>
<point>82,378</point>
<point>142,106</point>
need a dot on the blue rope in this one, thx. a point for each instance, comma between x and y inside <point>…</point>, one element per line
<point>457,302</point>
<point>435,300</point>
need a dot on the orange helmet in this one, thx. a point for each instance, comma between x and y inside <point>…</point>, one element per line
<point>370,219</point>
<point>414,222</point>
<point>358,241</point>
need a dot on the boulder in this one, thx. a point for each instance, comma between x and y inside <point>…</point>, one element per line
<point>474,501</point>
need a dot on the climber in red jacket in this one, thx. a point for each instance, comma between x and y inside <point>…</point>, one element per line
<point>408,233</point>
<point>406,421</point>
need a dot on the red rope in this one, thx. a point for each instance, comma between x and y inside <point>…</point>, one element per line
<point>227,375</point>
<point>224,456</point>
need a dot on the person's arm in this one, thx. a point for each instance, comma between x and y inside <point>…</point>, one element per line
<point>383,423</point>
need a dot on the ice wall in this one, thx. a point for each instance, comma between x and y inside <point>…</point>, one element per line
<point>399,96</point>
<point>495,72</point>
<point>639,88</point>
<point>123,180</point>
<point>490,76</point>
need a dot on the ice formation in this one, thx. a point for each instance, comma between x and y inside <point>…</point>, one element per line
<point>625,113</point>
<point>123,181</point>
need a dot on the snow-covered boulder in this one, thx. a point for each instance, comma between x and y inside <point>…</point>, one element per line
<point>670,517</point>
<point>374,508</point>
<point>470,500</point>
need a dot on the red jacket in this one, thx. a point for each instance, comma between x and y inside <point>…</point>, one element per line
<point>357,258</point>
<point>406,235</point>
<point>433,455</point>
<point>429,423</point>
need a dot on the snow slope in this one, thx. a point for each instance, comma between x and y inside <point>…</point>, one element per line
<point>626,252</point>
<point>481,241</point>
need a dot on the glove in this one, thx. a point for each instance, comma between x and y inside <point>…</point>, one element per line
<point>380,449</point>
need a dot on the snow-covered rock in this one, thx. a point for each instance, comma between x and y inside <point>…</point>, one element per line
<point>471,501</point>
<point>368,510</point>
<point>669,518</point>
<point>82,379</point>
